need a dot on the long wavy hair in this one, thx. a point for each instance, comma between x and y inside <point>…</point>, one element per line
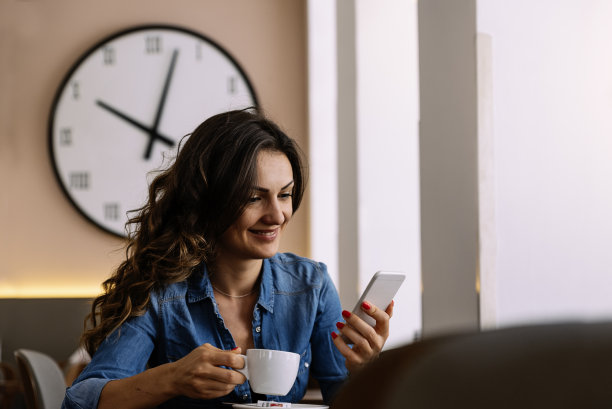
<point>190,205</point>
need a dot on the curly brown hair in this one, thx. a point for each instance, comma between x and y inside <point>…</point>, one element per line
<point>190,205</point>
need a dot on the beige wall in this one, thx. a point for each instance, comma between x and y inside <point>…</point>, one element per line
<point>44,242</point>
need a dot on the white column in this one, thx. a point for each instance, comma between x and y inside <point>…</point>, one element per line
<point>388,153</point>
<point>376,182</point>
<point>449,164</point>
<point>551,103</point>
<point>322,121</point>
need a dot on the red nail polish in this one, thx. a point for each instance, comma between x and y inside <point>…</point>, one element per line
<point>365,305</point>
<point>346,314</point>
<point>339,325</point>
<point>233,349</point>
<point>334,335</point>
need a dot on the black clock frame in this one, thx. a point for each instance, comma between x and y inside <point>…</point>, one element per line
<point>86,55</point>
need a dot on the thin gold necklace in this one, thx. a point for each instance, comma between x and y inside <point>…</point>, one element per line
<point>233,296</point>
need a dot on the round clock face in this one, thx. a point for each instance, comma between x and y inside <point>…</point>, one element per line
<point>124,107</point>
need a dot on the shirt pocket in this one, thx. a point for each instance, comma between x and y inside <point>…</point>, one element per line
<point>176,350</point>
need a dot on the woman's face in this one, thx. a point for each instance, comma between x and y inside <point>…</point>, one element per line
<point>257,232</point>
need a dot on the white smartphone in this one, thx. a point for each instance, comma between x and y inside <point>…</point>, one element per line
<point>380,291</point>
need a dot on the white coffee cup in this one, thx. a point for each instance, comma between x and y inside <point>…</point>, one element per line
<point>270,372</point>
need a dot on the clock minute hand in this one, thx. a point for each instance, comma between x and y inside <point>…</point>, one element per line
<point>133,122</point>
<point>153,135</point>
<point>162,100</point>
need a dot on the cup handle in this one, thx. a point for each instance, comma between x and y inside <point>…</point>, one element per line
<point>245,370</point>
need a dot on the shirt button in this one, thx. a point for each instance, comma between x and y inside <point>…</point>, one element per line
<point>306,364</point>
<point>245,397</point>
<point>258,329</point>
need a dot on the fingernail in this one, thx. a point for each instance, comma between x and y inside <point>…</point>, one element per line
<point>233,349</point>
<point>339,325</point>
<point>346,314</point>
<point>334,335</point>
<point>365,305</point>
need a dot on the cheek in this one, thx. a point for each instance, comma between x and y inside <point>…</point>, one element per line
<point>288,214</point>
<point>247,222</point>
<point>244,222</point>
<point>235,231</point>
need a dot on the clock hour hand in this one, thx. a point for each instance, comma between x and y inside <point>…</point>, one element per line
<point>123,116</point>
<point>136,123</point>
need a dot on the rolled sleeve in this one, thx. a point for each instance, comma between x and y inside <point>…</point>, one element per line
<point>123,353</point>
<point>84,394</point>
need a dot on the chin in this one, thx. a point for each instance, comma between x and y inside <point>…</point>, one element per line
<point>267,253</point>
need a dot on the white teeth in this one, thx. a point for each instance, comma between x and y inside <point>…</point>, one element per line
<point>265,233</point>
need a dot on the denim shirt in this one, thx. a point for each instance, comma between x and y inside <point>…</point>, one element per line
<point>297,310</point>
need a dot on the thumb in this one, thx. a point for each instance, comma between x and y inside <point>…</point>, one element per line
<point>237,351</point>
<point>389,309</point>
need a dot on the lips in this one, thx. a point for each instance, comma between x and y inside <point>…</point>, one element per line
<point>265,234</point>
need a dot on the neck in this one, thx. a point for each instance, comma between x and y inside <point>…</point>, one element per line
<point>235,279</point>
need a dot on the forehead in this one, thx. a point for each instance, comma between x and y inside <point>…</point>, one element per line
<point>273,167</point>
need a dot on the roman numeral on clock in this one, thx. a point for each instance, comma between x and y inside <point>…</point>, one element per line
<point>111,211</point>
<point>153,44</point>
<point>79,180</point>
<point>108,54</point>
<point>65,136</point>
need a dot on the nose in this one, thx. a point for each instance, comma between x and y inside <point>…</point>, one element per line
<point>274,213</point>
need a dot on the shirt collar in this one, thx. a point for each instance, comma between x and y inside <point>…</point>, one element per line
<point>266,289</point>
<point>199,286</point>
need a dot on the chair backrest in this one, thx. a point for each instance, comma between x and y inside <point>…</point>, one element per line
<point>561,366</point>
<point>43,380</point>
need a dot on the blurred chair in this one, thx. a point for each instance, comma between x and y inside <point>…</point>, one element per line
<point>561,366</point>
<point>43,380</point>
<point>10,387</point>
<point>75,364</point>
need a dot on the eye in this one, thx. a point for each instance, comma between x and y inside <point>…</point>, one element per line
<point>285,195</point>
<point>254,199</point>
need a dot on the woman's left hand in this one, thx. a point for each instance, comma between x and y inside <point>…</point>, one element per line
<point>367,341</point>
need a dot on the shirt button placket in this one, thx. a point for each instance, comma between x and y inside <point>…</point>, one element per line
<point>257,326</point>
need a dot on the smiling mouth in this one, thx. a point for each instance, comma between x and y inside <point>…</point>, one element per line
<point>265,233</point>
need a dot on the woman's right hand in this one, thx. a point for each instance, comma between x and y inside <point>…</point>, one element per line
<point>199,374</point>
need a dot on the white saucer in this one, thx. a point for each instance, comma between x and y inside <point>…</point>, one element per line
<point>293,405</point>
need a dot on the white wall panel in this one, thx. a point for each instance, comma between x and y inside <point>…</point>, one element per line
<point>552,99</point>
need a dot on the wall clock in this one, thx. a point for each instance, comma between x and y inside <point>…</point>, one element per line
<point>125,104</point>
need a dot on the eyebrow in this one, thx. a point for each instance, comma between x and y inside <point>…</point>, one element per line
<point>264,190</point>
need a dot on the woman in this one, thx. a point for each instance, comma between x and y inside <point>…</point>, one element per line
<point>203,282</point>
